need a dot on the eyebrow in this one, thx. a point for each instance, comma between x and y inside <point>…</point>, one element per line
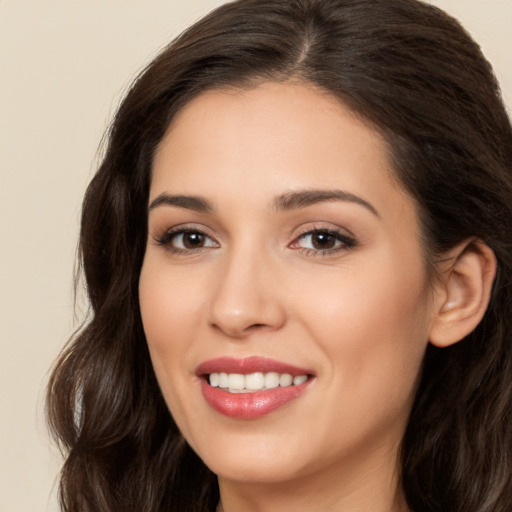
<point>304,198</point>
<point>289,201</point>
<point>195,203</point>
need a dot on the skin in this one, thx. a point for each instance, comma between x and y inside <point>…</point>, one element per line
<point>358,316</point>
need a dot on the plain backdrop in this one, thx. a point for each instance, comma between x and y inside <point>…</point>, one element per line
<point>63,68</point>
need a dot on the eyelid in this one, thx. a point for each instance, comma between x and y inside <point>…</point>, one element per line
<point>347,240</point>
<point>164,239</point>
<point>323,226</point>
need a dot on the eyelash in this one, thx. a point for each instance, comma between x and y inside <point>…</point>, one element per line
<point>166,239</point>
<point>345,242</point>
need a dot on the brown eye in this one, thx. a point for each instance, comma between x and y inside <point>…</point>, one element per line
<point>192,240</point>
<point>323,241</point>
<point>186,240</point>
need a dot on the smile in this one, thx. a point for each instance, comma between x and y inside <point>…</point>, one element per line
<point>252,387</point>
<point>258,381</point>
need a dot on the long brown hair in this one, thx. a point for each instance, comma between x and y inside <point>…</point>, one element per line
<point>420,79</point>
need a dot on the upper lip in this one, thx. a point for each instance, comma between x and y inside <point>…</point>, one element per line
<point>248,365</point>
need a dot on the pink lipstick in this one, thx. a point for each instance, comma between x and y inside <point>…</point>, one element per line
<point>251,387</point>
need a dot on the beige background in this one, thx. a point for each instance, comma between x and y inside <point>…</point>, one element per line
<point>63,67</point>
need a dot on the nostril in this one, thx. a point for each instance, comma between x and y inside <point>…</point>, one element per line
<point>239,316</point>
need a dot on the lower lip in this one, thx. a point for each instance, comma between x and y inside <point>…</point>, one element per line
<point>250,405</point>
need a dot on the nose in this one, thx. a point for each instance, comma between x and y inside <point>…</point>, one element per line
<point>247,297</point>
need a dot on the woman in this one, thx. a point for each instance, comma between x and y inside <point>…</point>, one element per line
<point>298,254</point>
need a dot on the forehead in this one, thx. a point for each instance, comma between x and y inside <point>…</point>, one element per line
<point>270,139</point>
<point>293,110</point>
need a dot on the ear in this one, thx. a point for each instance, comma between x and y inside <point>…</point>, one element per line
<point>462,292</point>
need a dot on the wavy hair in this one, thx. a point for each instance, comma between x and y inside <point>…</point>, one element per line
<point>418,77</point>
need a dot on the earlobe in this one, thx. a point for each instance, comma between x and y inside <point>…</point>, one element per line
<point>463,292</point>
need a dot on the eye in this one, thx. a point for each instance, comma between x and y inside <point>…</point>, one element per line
<point>186,240</point>
<point>323,241</point>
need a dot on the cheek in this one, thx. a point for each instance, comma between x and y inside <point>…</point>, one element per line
<point>376,298</point>
<point>169,303</point>
<point>373,340</point>
<point>372,325</point>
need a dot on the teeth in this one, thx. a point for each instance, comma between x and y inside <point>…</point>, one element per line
<point>236,381</point>
<point>287,380</point>
<point>253,381</point>
<point>271,380</point>
<point>239,383</point>
<point>214,379</point>
<point>223,380</point>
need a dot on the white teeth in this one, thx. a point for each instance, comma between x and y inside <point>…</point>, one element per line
<point>271,380</point>
<point>214,379</point>
<point>236,381</point>
<point>239,383</point>
<point>223,380</point>
<point>286,380</point>
<point>300,379</point>
<point>255,381</point>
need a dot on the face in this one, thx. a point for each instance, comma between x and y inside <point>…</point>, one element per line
<point>283,292</point>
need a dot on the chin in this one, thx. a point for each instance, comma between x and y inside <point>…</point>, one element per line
<point>257,461</point>
<point>261,472</point>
